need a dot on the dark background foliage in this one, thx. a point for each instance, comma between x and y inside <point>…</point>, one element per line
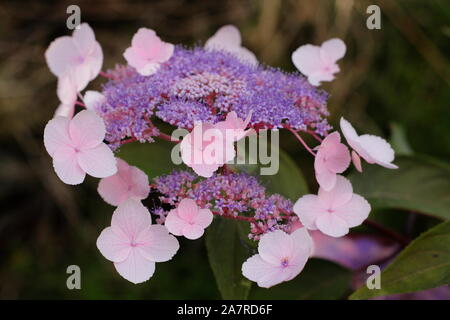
<point>393,81</point>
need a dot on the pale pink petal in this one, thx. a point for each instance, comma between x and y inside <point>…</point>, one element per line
<point>379,150</point>
<point>340,159</point>
<point>95,61</point>
<point>134,58</point>
<point>156,244</point>
<point>174,223</point>
<point>332,225</point>
<point>356,161</point>
<point>354,212</point>
<point>128,182</point>
<point>307,59</point>
<point>66,166</point>
<point>340,194</point>
<point>326,179</point>
<point>148,69</point>
<point>308,208</point>
<point>94,100</point>
<point>60,55</point>
<point>56,134</point>
<point>66,90</point>
<point>193,231</point>
<point>263,273</point>
<point>353,140</point>
<point>203,218</point>
<point>275,246</point>
<point>227,36</point>
<point>140,184</point>
<point>113,190</point>
<point>112,246</point>
<point>80,75</point>
<point>98,162</point>
<point>303,243</point>
<point>205,170</point>
<point>87,129</point>
<point>332,50</point>
<point>315,78</point>
<point>187,209</point>
<point>130,218</point>
<point>65,110</point>
<point>135,268</point>
<point>246,56</point>
<point>84,38</point>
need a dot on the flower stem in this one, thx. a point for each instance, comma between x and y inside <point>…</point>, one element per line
<point>300,139</point>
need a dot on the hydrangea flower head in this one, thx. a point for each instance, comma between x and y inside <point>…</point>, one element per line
<point>134,244</point>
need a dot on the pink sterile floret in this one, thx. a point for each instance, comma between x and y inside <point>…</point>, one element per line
<point>134,244</point>
<point>281,257</point>
<point>333,212</point>
<point>319,63</point>
<point>79,56</point>
<point>147,52</point>
<point>128,183</point>
<point>76,146</point>
<point>371,148</point>
<point>188,220</point>
<point>332,157</point>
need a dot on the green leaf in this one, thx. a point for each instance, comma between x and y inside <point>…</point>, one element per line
<point>419,185</point>
<point>152,158</point>
<point>423,264</point>
<point>320,280</point>
<point>289,181</point>
<point>399,141</point>
<point>226,253</point>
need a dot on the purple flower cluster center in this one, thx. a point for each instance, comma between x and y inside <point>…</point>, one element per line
<point>202,85</point>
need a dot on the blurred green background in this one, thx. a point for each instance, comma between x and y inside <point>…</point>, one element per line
<point>392,80</point>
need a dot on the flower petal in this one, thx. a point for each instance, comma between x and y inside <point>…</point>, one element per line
<point>112,246</point>
<point>156,244</point>
<point>174,223</point>
<point>340,194</point>
<point>193,231</point>
<point>130,219</point>
<point>263,273</point>
<point>355,211</point>
<point>308,208</point>
<point>94,100</point>
<point>307,59</point>
<point>187,209</point>
<point>379,150</point>
<point>135,268</point>
<point>332,50</point>
<point>326,179</point>
<point>332,225</point>
<point>98,162</point>
<point>274,246</point>
<point>60,55</point>
<point>87,129</point>
<point>56,134</point>
<point>66,166</point>
<point>203,218</point>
